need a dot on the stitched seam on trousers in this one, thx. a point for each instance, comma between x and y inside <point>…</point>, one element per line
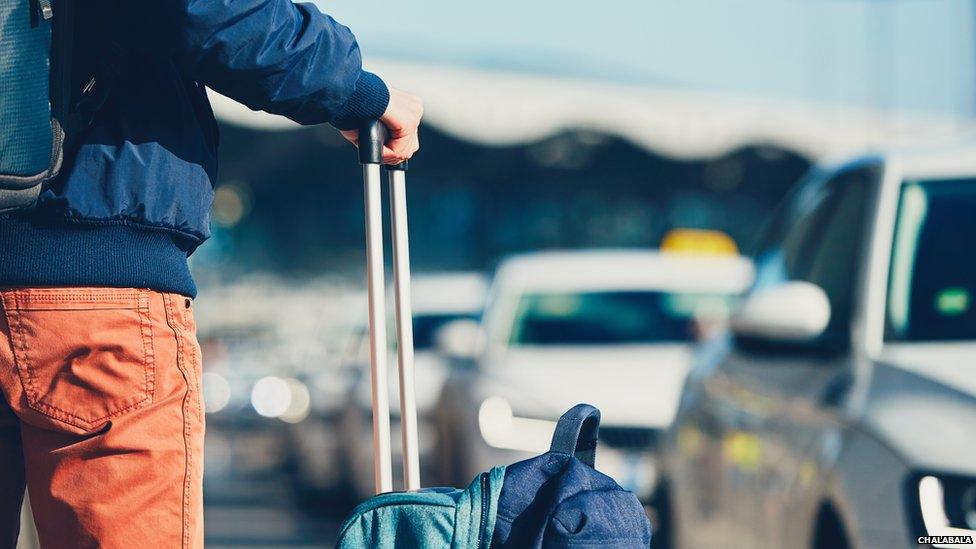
<point>55,412</point>
<point>194,363</point>
<point>149,351</point>
<point>20,352</point>
<point>68,417</point>
<point>187,459</point>
<point>129,298</point>
<point>122,301</point>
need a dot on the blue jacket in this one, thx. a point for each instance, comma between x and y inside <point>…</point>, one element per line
<point>133,201</point>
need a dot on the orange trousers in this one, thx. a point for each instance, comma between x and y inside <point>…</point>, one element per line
<point>101,418</point>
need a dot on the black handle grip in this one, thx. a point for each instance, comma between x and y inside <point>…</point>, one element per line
<point>372,136</point>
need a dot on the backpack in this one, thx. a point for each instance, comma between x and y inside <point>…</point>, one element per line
<point>556,500</point>
<point>40,107</point>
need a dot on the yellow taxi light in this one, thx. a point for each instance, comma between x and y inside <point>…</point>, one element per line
<point>699,241</point>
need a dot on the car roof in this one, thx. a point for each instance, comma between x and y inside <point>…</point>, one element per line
<point>607,270</point>
<point>938,162</point>
<point>448,293</point>
<point>945,160</point>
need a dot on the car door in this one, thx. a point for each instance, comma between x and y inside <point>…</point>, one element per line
<point>775,407</point>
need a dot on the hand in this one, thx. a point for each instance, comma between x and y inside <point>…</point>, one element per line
<point>402,119</point>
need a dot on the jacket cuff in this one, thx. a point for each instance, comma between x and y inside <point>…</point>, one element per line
<point>368,102</point>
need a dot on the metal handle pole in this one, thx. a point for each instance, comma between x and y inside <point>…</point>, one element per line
<point>404,327</point>
<point>371,159</point>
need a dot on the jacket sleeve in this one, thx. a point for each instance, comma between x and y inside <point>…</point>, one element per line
<point>272,55</point>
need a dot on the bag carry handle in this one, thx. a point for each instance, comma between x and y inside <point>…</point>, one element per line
<point>576,433</point>
<point>372,137</point>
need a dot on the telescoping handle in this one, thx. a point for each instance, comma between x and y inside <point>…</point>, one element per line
<point>372,136</point>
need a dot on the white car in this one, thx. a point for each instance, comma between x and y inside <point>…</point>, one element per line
<point>841,411</point>
<point>609,328</point>
<point>438,300</point>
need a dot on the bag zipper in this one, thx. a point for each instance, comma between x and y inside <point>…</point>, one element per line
<point>63,57</point>
<point>62,41</point>
<point>46,11</point>
<point>40,10</point>
<point>485,502</point>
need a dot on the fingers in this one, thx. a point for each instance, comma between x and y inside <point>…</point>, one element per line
<point>401,149</point>
<point>395,151</point>
<point>351,136</point>
<point>402,119</point>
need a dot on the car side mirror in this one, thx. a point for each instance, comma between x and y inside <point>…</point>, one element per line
<point>459,340</point>
<point>791,313</point>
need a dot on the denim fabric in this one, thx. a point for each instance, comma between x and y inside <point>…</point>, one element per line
<point>555,500</point>
<point>429,519</point>
<point>558,500</point>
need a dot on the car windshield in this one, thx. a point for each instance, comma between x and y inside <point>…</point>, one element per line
<point>933,267</point>
<point>595,318</point>
<point>425,327</point>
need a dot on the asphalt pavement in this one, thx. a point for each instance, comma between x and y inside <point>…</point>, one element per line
<point>258,507</point>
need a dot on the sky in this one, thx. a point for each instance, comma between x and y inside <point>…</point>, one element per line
<point>905,55</point>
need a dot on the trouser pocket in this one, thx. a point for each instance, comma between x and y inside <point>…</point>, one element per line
<point>83,356</point>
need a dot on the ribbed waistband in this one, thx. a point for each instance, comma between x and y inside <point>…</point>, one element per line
<point>116,256</point>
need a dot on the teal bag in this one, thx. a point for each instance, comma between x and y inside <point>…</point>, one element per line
<point>553,501</point>
<point>30,139</point>
<point>432,518</point>
<point>51,86</point>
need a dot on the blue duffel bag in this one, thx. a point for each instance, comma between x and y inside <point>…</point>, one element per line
<point>554,500</point>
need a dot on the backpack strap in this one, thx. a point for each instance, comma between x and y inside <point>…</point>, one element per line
<point>87,64</point>
<point>576,433</point>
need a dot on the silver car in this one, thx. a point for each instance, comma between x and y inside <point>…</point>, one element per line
<point>613,328</point>
<point>841,411</point>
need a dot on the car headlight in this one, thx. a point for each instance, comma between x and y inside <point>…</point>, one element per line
<point>500,428</point>
<point>285,399</point>
<point>947,507</point>
<point>216,392</point>
<point>969,506</point>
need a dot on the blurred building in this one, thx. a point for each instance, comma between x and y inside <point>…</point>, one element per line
<point>569,124</point>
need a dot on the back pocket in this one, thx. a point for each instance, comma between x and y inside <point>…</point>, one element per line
<point>84,356</point>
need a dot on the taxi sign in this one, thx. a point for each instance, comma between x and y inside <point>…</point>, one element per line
<point>699,241</point>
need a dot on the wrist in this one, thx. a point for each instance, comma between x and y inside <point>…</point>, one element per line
<point>369,101</point>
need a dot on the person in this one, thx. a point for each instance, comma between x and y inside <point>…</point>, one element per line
<point>100,368</point>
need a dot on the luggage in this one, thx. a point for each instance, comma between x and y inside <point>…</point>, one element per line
<point>43,102</point>
<point>30,140</point>
<point>554,500</point>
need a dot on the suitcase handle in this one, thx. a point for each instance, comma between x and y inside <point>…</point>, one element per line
<point>372,137</point>
<point>371,148</point>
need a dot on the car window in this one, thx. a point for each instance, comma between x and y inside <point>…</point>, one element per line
<point>593,318</point>
<point>835,254</point>
<point>786,244</point>
<point>821,242</point>
<point>932,281</point>
<point>425,327</point>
